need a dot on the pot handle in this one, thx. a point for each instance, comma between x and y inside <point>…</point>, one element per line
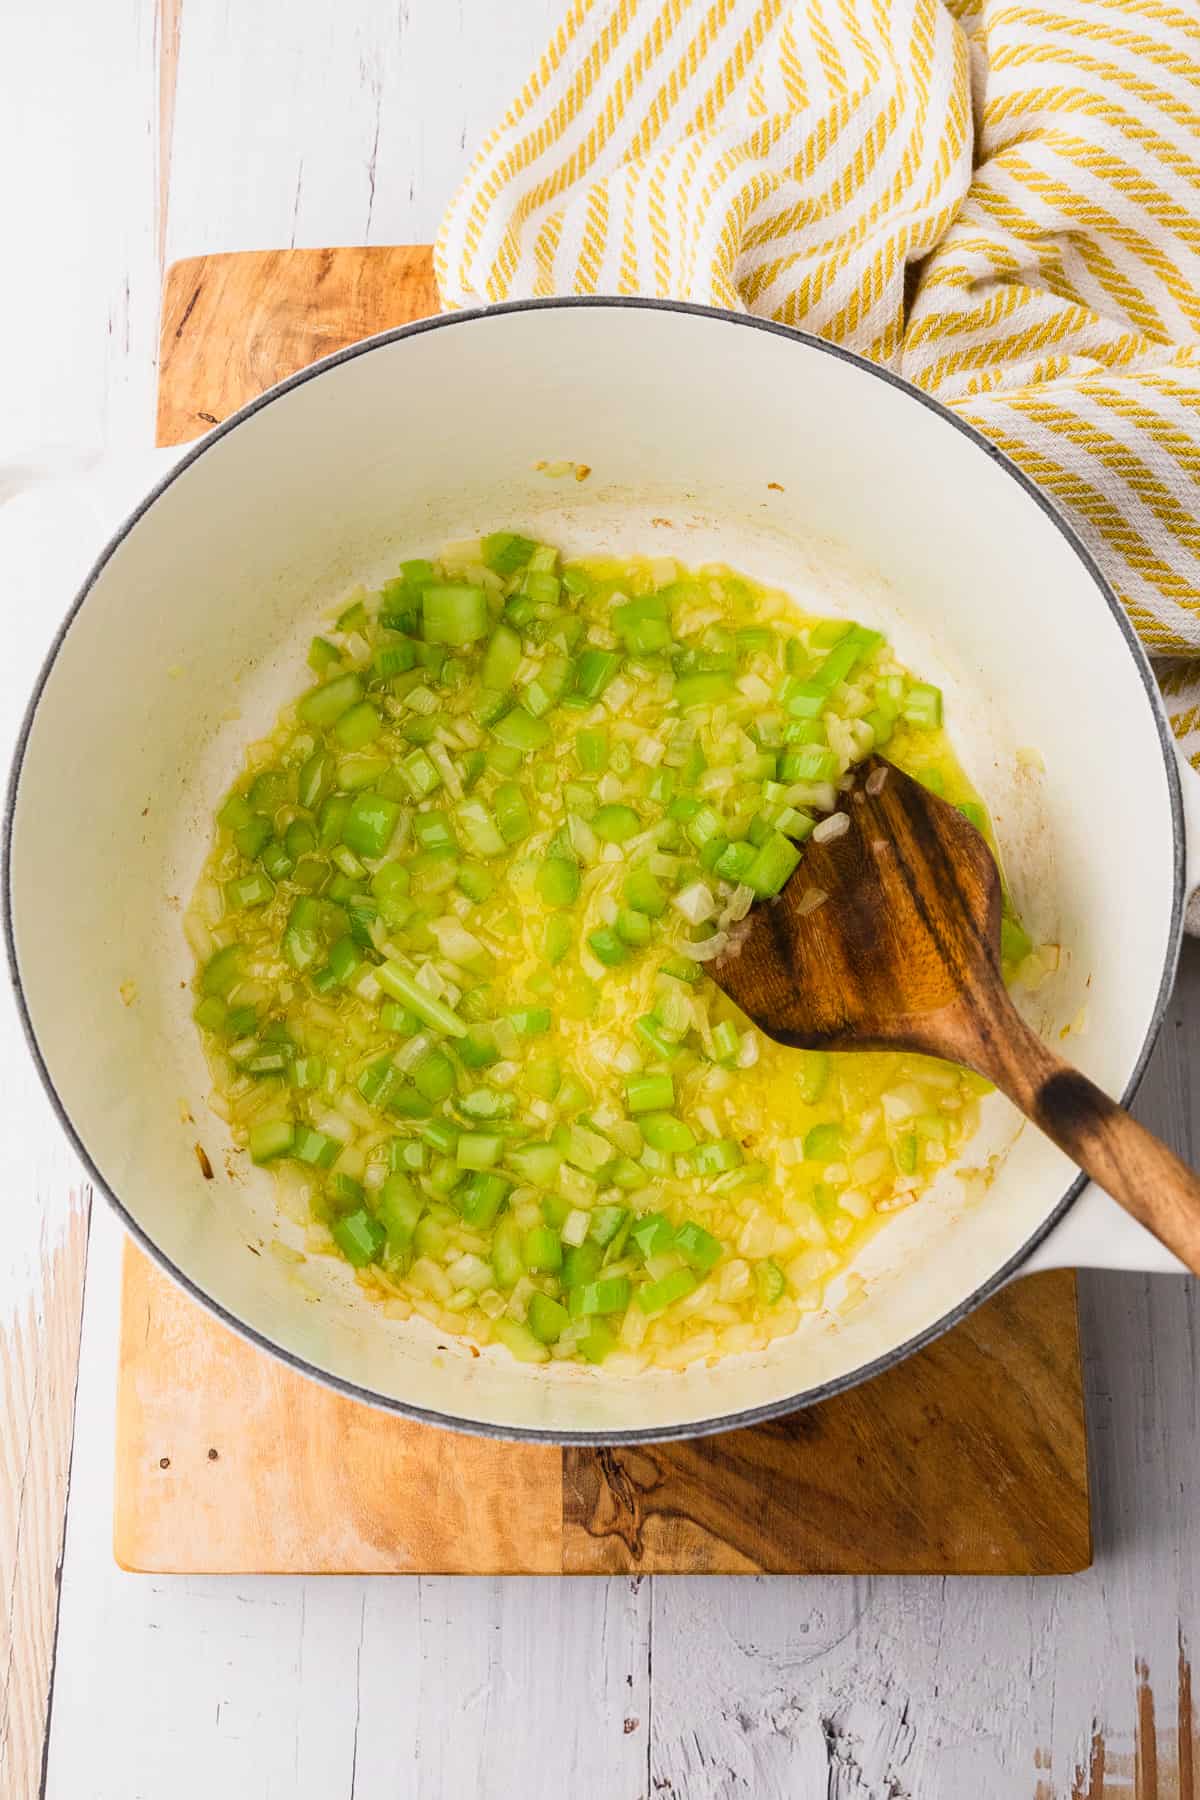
<point>1097,1233</point>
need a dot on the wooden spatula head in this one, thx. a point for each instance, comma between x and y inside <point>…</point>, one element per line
<point>881,931</point>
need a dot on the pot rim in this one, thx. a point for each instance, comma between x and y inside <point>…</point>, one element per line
<point>748,1416</point>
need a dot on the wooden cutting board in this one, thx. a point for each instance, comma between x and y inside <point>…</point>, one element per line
<point>969,1458</point>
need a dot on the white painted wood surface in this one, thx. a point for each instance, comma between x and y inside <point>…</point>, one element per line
<point>131,131</point>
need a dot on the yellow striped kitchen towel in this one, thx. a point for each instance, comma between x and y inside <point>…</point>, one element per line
<point>1001,202</point>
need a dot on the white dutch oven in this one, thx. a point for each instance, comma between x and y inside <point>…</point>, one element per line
<point>707,437</point>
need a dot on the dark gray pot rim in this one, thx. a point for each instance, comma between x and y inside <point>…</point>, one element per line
<point>753,1415</point>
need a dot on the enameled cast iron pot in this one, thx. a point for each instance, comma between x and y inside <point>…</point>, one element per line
<point>708,437</point>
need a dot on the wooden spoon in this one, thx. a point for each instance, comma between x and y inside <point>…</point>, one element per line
<point>903,953</point>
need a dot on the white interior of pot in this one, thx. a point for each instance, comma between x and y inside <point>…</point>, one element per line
<point>194,633</point>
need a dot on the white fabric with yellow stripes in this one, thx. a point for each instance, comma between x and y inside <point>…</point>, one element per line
<point>1002,204</point>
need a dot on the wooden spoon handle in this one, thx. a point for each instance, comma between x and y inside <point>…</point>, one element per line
<point>1125,1159</point>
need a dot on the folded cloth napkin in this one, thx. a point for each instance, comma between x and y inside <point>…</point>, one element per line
<point>1001,202</point>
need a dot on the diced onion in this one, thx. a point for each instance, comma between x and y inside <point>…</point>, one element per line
<point>697,905</point>
<point>835,826</point>
<point>708,949</point>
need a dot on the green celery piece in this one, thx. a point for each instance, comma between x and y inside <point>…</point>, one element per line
<point>330,821</point>
<point>633,928</point>
<point>441,1136</point>
<point>248,891</point>
<point>591,748</point>
<point>616,823</point>
<point>299,840</point>
<point>643,625</point>
<point>223,971</point>
<point>504,552</point>
<point>594,669</point>
<point>656,1296</point>
<point>478,1150</point>
<point>484,1104</point>
<point>769,1283</point>
<point>717,1156</point>
<point>607,947</point>
<point>323,706</point>
<point>536,1164</point>
<point>647,1028</point>
<point>812,1076</point>
<point>453,614</point>
<point>394,658</point>
<point>734,861</point>
<point>477,1048</point>
<point>519,1341</point>
<point>541,1250</point>
<point>370,823</point>
<point>269,790</point>
<point>314,1147</point>
<point>211,1013</point>
<point>359,726</point>
<point>653,1235</point>
<point>1015,941</point>
<point>645,893</point>
<point>605,1223</point>
<point>481,1198</point>
<point>396,981</point>
<point>828,632</point>
<point>698,1247</point>
<point>399,1206</point>
<point>359,1237</point>
<point>708,688</point>
<point>923,706</point>
<point>810,762</point>
<point>582,1263</point>
<point>434,1077</point>
<point>776,859</point>
<point>904,1150</point>
<point>432,830</point>
<point>236,812</point>
<point>882,724</point>
<point>543,1077</point>
<point>823,1143</point>
<point>599,1341</point>
<point>501,660</point>
<point>558,881</point>
<point>547,1319</point>
<point>557,934</point>
<point>344,959</point>
<point>649,1093</point>
<point>479,830</point>
<point>531,1021</point>
<point>251,837</point>
<point>803,699</point>
<point>681,968</point>
<point>583,1149</point>
<point>513,818</point>
<point>663,1131</point>
<point>354,618</point>
<point>608,1294</point>
<point>322,656</point>
<point>421,775</point>
<point>519,730</point>
<point>397,1018</point>
<point>390,886</point>
<point>271,1140</point>
<point>546,688</point>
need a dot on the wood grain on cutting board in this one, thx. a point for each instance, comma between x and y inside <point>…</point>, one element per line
<point>970,1457</point>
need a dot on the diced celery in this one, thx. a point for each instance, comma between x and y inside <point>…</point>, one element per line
<point>656,1296</point>
<point>453,615</point>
